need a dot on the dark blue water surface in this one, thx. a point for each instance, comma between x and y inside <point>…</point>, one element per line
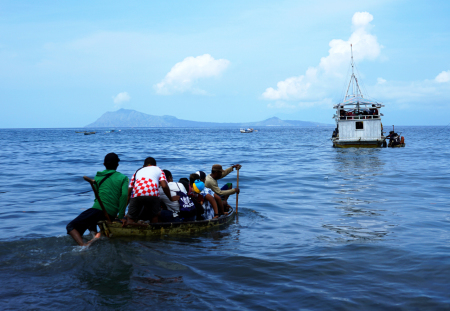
<point>319,228</point>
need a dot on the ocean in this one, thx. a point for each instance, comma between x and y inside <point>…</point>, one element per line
<point>319,228</point>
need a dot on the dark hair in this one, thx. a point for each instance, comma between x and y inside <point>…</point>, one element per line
<point>185,182</point>
<point>215,171</point>
<point>202,175</point>
<point>193,178</point>
<point>168,174</point>
<point>111,161</point>
<point>150,161</point>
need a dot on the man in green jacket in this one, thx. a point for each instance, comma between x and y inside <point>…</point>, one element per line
<point>112,188</point>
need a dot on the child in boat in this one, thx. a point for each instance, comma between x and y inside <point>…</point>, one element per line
<point>173,207</point>
<point>204,196</point>
<point>172,214</point>
<point>221,201</point>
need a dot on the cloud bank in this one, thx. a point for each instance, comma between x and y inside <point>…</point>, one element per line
<point>314,85</point>
<point>120,98</point>
<point>443,77</point>
<point>184,75</point>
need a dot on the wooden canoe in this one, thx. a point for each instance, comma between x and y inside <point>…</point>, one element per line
<point>115,229</point>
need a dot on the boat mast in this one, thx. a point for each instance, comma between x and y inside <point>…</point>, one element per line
<point>356,91</point>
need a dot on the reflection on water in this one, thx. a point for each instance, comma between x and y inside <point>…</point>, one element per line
<point>356,171</point>
<point>358,162</point>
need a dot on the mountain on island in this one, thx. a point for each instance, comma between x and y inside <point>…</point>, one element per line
<point>133,118</point>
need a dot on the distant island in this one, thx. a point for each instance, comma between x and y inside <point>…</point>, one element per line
<point>133,118</point>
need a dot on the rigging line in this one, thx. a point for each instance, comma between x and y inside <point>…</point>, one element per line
<point>363,85</point>
<point>344,85</point>
<point>365,89</point>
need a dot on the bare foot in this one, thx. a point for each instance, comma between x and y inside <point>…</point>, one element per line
<point>127,221</point>
<point>97,236</point>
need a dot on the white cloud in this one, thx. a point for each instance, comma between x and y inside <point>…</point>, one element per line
<point>381,81</point>
<point>365,46</point>
<point>184,75</point>
<point>294,87</point>
<point>443,77</point>
<point>121,98</point>
<point>318,81</point>
<point>361,19</point>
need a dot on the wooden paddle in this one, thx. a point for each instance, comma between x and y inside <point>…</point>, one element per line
<point>237,194</point>
<point>92,182</point>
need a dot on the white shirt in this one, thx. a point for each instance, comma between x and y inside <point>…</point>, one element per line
<point>173,206</point>
<point>146,183</point>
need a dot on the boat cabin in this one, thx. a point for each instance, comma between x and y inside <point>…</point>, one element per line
<point>358,121</point>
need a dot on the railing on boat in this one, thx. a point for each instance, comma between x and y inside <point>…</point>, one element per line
<point>362,117</point>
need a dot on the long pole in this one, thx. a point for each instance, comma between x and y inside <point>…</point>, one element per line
<point>237,194</point>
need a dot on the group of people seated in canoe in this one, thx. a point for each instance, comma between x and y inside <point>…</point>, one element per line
<point>359,112</point>
<point>152,196</point>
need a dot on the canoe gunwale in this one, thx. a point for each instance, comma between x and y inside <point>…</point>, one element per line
<point>161,228</point>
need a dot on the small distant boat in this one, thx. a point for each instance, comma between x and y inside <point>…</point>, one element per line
<point>89,133</point>
<point>249,130</point>
<point>110,131</point>
<point>80,131</point>
<point>115,229</point>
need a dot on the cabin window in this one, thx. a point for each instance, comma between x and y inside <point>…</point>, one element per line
<point>359,125</point>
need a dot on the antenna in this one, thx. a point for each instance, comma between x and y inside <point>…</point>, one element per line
<point>351,52</point>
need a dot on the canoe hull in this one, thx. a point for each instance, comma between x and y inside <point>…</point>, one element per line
<point>115,229</point>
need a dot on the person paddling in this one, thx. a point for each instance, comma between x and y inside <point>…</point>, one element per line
<point>112,188</point>
<point>218,173</point>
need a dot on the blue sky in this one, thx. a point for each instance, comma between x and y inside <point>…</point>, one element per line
<point>63,64</point>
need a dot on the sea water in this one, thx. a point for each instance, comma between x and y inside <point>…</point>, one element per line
<point>319,228</point>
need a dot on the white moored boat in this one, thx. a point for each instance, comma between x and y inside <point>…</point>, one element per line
<point>358,119</point>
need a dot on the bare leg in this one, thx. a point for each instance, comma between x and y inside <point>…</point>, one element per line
<point>226,206</point>
<point>219,204</point>
<point>127,221</point>
<point>77,237</point>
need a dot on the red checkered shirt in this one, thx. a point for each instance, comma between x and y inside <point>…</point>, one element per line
<point>147,182</point>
